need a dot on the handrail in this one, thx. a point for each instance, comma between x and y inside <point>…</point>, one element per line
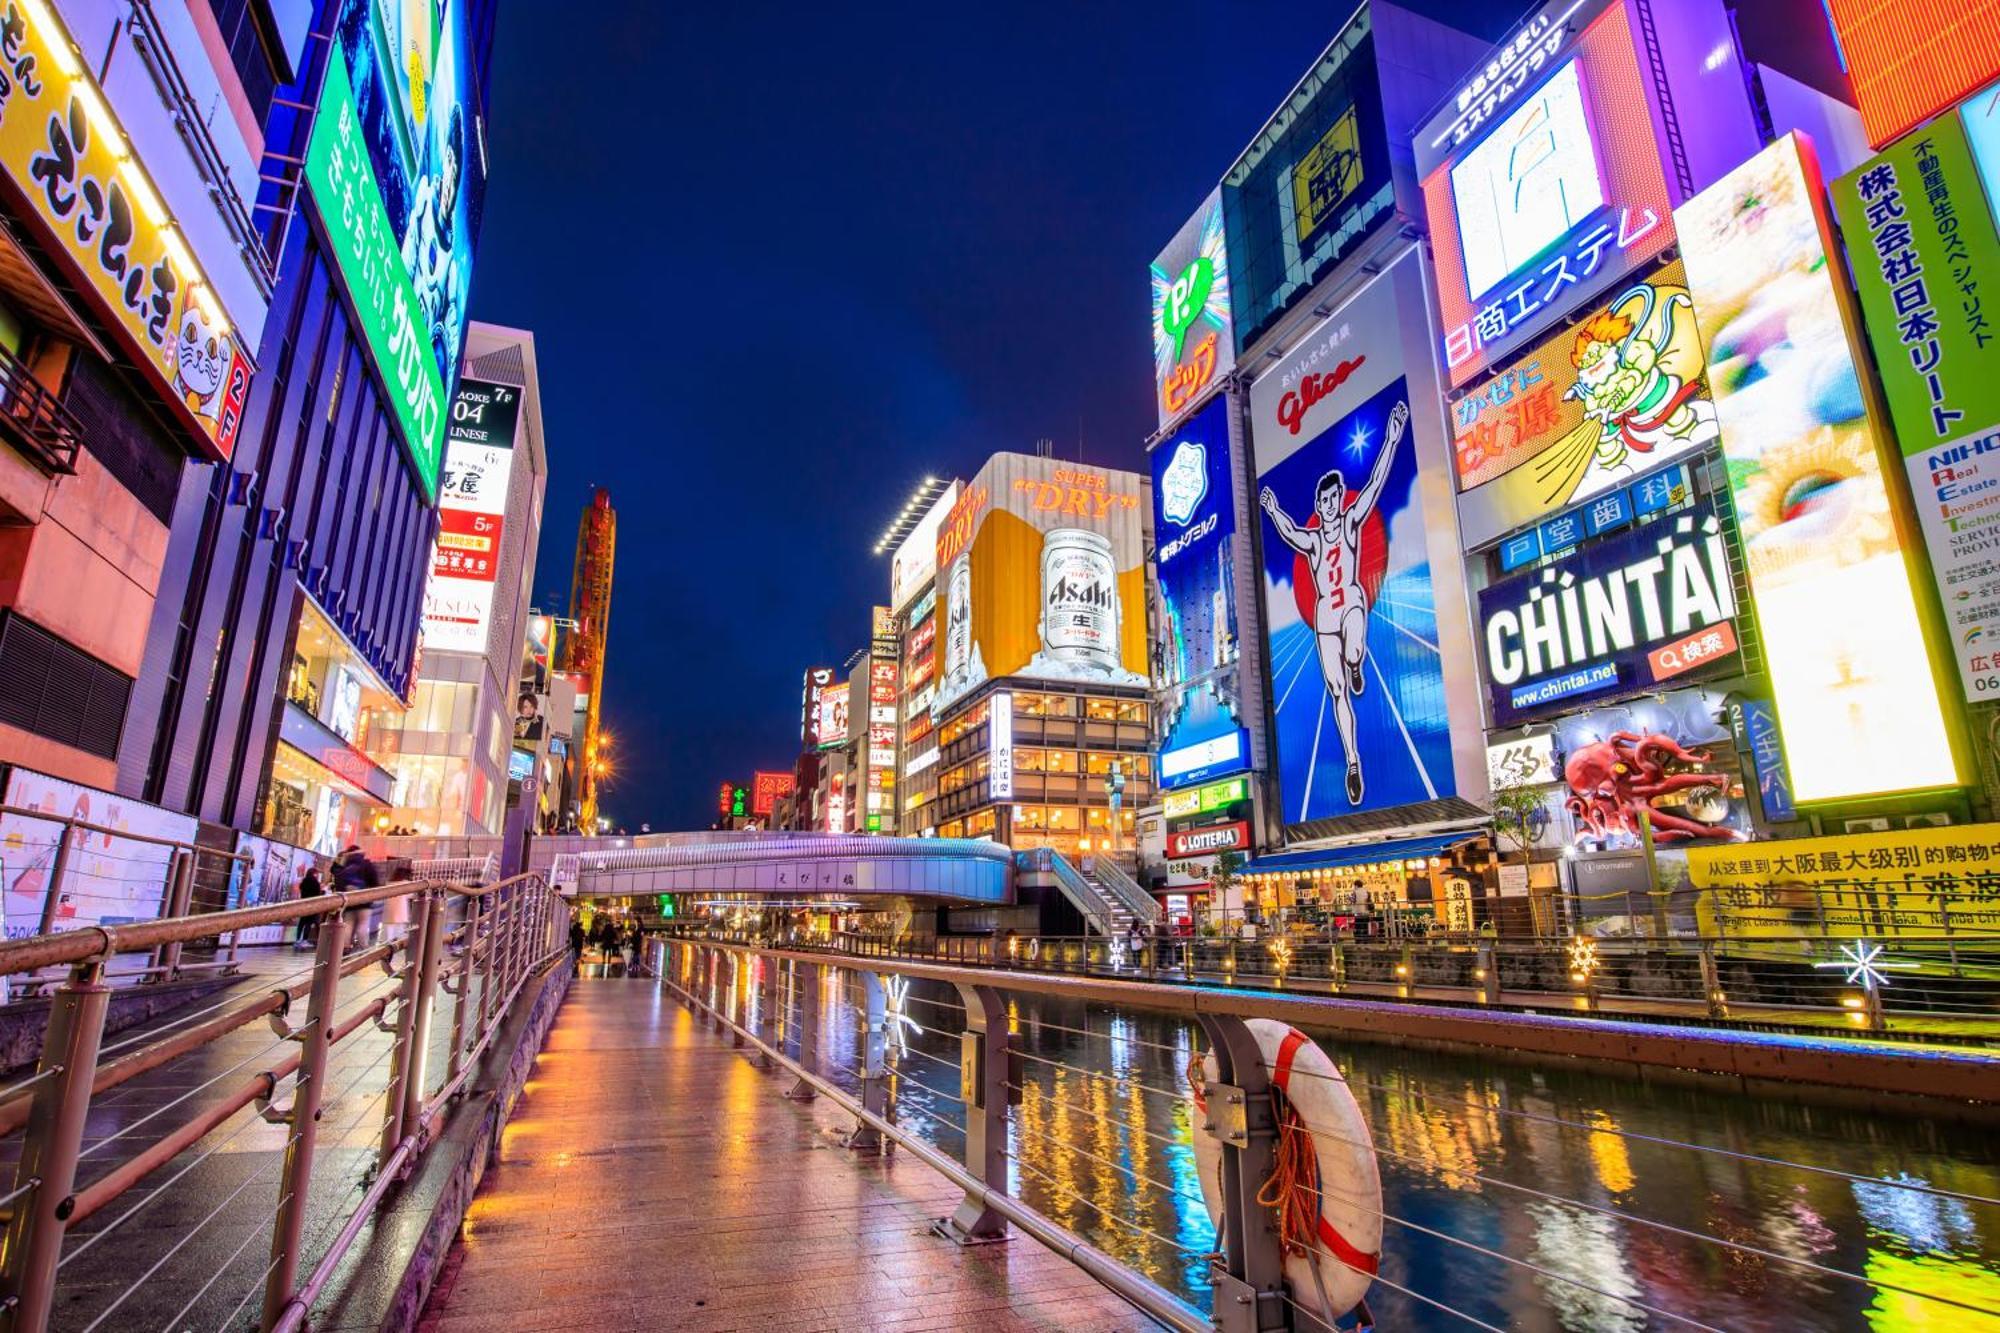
<point>1108,874</point>
<point>1089,899</point>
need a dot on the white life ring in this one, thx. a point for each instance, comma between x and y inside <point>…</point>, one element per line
<point>1349,1244</point>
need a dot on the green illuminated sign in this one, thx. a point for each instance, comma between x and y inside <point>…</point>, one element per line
<point>1186,300</point>
<point>1205,800</point>
<point>739,802</point>
<point>371,262</point>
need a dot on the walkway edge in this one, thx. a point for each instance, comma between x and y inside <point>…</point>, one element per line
<point>387,1276</point>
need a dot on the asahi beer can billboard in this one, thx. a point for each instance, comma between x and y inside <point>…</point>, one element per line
<point>1042,576</point>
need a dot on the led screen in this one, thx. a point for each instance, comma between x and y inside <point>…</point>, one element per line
<point>1529,183</point>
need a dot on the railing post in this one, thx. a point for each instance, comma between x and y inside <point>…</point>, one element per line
<point>490,961</point>
<point>52,900</point>
<point>767,1007</point>
<point>984,1056</point>
<point>1248,1276</point>
<point>430,968</point>
<point>468,955</point>
<point>739,997</point>
<point>806,983</point>
<point>1489,972</point>
<point>308,1089</point>
<point>401,1050</point>
<point>1711,982</point>
<point>49,1151</point>
<point>177,901</point>
<point>871,1044</point>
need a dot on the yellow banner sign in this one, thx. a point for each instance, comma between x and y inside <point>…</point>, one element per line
<point>67,157</point>
<point>1926,881</point>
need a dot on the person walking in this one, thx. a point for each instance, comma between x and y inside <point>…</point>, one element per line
<point>351,873</point>
<point>576,938</point>
<point>309,888</point>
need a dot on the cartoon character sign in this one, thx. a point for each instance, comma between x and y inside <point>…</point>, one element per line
<point>201,360</point>
<point>1356,679</point>
<point>1624,385</point>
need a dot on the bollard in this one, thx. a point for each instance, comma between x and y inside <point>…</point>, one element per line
<point>806,983</point>
<point>985,1069</point>
<point>872,1043</point>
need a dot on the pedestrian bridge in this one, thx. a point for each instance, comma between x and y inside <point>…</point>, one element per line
<point>947,869</point>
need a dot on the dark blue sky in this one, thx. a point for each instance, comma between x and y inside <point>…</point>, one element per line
<point>783,261</point>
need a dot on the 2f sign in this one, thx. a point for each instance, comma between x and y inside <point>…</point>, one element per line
<point>1186,299</point>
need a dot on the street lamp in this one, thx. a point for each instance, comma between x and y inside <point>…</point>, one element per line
<point>1114,788</point>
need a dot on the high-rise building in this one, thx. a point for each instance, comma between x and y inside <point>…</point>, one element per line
<point>453,752</point>
<point>134,291</point>
<point>298,564</point>
<point>584,649</point>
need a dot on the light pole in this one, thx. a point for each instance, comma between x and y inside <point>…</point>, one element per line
<point>1114,787</point>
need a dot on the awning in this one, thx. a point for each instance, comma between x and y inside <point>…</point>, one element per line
<point>1359,854</point>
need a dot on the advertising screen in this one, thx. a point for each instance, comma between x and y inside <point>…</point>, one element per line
<point>270,874</point>
<point>106,879</point>
<point>1623,390</point>
<point>1909,59</point>
<point>472,515</point>
<point>833,716</point>
<point>766,789</point>
<point>1843,642</point>
<point>57,142</point>
<point>396,167</point>
<point>913,564</point>
<point>1042,575</point>
<point>1980,117</point>
<point>1357,681</point>
<point>1194,528</point>
<point>817,679</point>
<point>1194,342</point>
<point>1545,187</point>
<point>1623,614</point>
<point>1310,186</point>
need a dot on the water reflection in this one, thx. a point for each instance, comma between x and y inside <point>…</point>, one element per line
<point>1536,1182</point>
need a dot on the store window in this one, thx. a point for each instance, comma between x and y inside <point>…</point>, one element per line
<point>1044,705</point>
<point>1099,762</point>
<point>952,828</point>
<point>1031,760</point>
<point>1115,710</point>
<point>959,726</point>
<point>982,824</point>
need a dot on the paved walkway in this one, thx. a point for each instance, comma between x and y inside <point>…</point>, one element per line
<point>653,1179</point>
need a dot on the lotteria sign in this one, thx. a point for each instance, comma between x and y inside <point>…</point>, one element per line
<point>1653,606</point>
<point>1207,841</point>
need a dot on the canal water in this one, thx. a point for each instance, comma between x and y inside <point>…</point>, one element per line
<point>1521,1197</point>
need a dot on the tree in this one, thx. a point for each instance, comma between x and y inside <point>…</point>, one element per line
<point>1518,817</point>
<point>1227,866</point>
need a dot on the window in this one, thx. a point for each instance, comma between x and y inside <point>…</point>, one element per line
<point>249,52</point>
<point>1044,705</point>
<point>982,824</point>
<point>954,828</point>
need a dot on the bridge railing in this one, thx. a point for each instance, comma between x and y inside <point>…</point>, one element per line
<point>1031,1058</point>
<point>1945,986</point>
<point>407,987</point>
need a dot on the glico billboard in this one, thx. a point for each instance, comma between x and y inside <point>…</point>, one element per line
<point>1542,181</point>
<point>395,165</point>
<point>1041,573</point>
<point>1194,529</point>
<point>1844,643</point>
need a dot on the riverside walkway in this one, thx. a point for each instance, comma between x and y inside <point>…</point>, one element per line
<point>653,1178</point>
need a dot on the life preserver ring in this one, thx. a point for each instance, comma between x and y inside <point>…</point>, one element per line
<point>1348,1221</point>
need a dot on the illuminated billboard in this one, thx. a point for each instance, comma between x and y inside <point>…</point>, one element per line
<point>767,789</point>
<point>1623,614</point>
<point>914,563</point>
<point>396,167</point>
<point>1194,530</point>
<point>1845,647</point>
<point>1668,759</point>
<point>1909,59</point>
<point>1041,575</point>
<point>1924,247</point>
<point>1312,184</point>
<point>472,516</point>
<point>833,726</point>
<point>1194,342</point>
<point>1623,390</point>
<point>103,218</point>
<point>817,679</point>
<point>1542,182</point>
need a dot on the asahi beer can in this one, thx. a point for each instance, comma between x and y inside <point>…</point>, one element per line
<point>958,624</point>
<point>1080,599</point>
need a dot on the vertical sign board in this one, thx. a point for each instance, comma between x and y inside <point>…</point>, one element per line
<point>1000,748</point>
<point>1194,524</point>
<point>1927,266</point>
<point>1843,641</point>
<point>1356,676</point>
<point>1909,59</point>
<point>70,163</point>
<point>1194,342</point>
<point>472,516</point>
<point>1542,181</point>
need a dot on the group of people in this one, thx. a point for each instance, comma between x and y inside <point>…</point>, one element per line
<point>617,943</point>
<point>352,870</point>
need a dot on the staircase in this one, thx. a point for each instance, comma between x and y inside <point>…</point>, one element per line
<point>1108,898</point>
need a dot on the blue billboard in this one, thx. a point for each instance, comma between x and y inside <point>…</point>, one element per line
<point>1357,685</point>
<point>1194,522</point>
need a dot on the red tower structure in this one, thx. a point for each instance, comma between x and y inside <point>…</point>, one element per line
<point>583,651</point>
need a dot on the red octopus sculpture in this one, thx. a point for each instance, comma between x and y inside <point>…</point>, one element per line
<point>1612,779</point>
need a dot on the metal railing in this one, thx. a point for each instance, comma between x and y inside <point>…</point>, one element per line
<point>1108,875</point>
<point>35,420</point>
<point>473,948</point>
<point>1018,1072</point>
<point>1924,985</point>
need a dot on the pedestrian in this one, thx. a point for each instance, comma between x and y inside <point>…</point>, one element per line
<point>576,939</point>
<point>352,873</point>
<point>631,950</point>
<point>309,888</point>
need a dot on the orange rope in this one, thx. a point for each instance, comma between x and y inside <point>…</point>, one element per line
<point>1293,1188</point>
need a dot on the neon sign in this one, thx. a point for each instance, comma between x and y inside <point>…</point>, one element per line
<point>1193,339</point>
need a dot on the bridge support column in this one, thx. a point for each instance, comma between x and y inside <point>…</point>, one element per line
<point>871,1044</point>
<point>806,996</point>
<point>1248,1276</point>
<point>985,1068</point>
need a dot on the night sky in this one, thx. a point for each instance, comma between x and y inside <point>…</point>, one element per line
<point>781,262</point>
